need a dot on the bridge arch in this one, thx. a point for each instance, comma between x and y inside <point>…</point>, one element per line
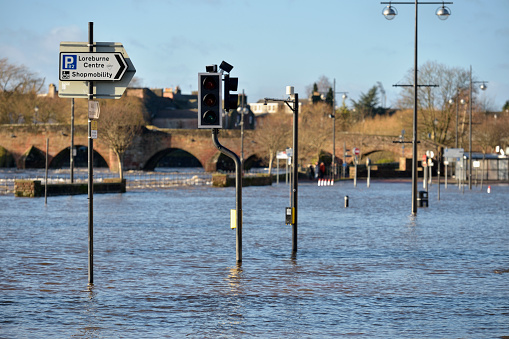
<point>172,157</point>
<point>62,158</point>
<point>224,163</point>
<point>380,155</point>
<point>252,161</point>
<point>6,158</point>
<point>33,157</point>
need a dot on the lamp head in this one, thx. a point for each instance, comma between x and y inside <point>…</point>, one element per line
<point>443,12</point>
<point>389,12</point>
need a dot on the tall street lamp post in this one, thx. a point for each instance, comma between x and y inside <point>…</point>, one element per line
<point>442,13</point>
<point>293,103</point>
<point>456,102</point>
<point>483,87</point>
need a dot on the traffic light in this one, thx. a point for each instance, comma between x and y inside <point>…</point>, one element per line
<point>209,100</point>
<point>231,101</point>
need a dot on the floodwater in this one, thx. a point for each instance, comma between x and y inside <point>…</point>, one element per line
<point>164,264</point>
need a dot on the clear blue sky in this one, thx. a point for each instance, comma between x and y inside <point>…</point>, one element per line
<point>270,43</point>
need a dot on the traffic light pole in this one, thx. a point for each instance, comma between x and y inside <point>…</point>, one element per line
<point>238,190</point>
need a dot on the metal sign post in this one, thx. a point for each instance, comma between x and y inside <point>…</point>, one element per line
<point>90,171</point>
<point>438,175</point>
<point>72,141</point>
<point>89,70</point>
<point>356,152</point>
<point>46,174</point>
<point>368,165</point>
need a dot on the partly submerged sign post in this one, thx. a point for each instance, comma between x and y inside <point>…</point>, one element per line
<point>93,70</point>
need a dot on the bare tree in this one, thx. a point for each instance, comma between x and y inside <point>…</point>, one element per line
<point>273,134</point>
<point>491,130</point>
<point>436,114</point>
<point>315,130</point>
<point>119,123</point>
<point>323,85</point>
<point>18,93</point>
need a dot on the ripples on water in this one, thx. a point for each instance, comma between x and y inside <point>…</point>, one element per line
<point>165,265</point>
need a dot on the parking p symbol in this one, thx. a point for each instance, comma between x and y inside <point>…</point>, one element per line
<point>69,61</point>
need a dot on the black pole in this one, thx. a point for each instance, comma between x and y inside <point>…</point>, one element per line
<point>470,135</point>
<point>238,190</point>
<point>46,174</point>
<point>414,138</point>
<point>90,171</point>
<point>295,177</point>
<point>334,132</point>
<point>72,141</point>
<point>438,173</point>
<point>457,98</point>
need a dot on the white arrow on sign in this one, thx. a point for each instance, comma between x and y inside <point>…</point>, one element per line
<point>91,66</point>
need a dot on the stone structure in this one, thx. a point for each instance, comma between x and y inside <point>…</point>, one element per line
<point>34,188</point>
<point>26,144</point>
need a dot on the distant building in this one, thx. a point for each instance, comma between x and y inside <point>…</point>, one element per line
<point>52,92</point>
<point>169,108</point>
<point>260,108</point>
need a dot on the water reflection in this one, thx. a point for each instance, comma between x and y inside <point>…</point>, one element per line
<point>235,279</point>
<point>235,305</point>
<point>89,313</point>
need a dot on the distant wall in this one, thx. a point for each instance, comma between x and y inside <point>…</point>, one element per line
<point>34,188</point>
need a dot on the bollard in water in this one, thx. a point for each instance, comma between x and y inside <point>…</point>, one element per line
<point>346,200</point>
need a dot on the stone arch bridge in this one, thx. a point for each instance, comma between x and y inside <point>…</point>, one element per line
<point>25,145</point>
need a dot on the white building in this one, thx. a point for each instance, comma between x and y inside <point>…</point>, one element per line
<point>260,108</point>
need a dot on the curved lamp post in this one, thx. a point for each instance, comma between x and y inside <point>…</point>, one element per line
<point>390,13</point>
<point>483,87</point>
